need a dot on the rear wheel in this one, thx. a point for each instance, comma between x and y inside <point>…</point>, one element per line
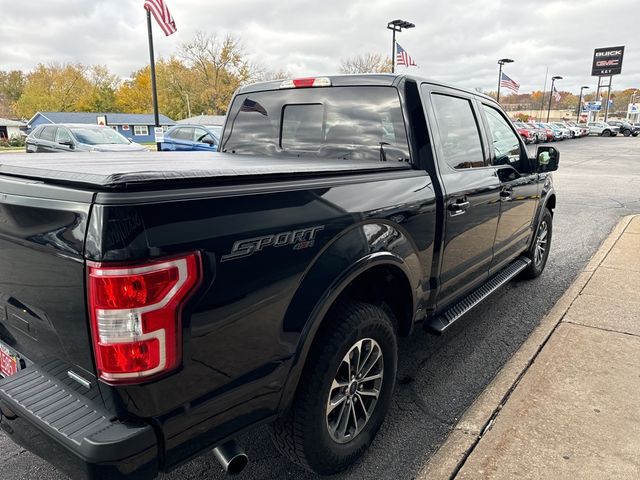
<point>344,392</point>
<point>626,133</point>
<point>539,251</point>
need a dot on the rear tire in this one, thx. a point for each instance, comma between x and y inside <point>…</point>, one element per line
<point>540,246</point>
<point>311,432</point>
<point>626,133</point>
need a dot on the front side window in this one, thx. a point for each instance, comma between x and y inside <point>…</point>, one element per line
<point>140,130</point>
<point>350,123</point>
<point>506,143</point>
<point>200,135</point>
<point>458,129</point>
<point>63,136</point>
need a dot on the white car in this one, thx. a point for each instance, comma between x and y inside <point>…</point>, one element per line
<point>603,129</point>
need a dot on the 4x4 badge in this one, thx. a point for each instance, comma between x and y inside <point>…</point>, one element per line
<point>299,239</point>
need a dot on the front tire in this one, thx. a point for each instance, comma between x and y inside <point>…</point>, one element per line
<point>539,250</point>
<point>344,392</point>
<point>606,133</point>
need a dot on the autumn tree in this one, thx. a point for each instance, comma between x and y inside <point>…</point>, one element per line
<point>11,87</point>
<point>219,66</point>
<point>366,63</point>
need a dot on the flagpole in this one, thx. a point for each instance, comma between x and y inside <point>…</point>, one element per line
<point>154,89</point>
<point>546,76</point>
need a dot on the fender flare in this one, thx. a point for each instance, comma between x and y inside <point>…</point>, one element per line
<point>327,299</point>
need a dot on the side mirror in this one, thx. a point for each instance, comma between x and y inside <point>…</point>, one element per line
<point>68,143</point>
<point>547,159</point>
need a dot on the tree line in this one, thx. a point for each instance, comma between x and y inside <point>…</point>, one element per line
<point>199,78</point>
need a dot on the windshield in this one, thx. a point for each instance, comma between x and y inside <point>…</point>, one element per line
<point>352,123</point>
<point>98,136</point>
<point>216,130</point>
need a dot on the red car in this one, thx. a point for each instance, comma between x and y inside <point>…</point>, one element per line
<point>527,134</point>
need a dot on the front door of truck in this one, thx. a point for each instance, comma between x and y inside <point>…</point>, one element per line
<point>518,190</point>
<point>471,193</point>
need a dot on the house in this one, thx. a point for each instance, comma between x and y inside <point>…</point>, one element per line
<point>135,126</point>
<point>206,120</point>
<point>10,128</point>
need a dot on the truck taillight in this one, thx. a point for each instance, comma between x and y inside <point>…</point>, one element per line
<point>135,316</point>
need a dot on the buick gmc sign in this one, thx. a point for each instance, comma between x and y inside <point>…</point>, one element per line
<point>607,61</point>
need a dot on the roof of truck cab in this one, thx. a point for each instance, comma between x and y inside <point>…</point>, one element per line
<point>361,79</point>
<point>107,171</point>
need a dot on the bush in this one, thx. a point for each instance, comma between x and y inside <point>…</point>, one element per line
<point>4,142</point>
<point>17,141</point>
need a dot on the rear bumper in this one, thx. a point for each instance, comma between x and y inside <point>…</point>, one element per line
<point>79,438</point>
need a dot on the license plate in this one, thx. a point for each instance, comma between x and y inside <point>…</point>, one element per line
<point>8,362</point>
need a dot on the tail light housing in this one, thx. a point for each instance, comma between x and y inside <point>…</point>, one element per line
<point>135,313</point>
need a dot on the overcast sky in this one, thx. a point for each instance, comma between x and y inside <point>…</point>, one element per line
<point>457,42</point>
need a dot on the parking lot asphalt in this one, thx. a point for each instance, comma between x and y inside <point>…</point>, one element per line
<point>439,377</point>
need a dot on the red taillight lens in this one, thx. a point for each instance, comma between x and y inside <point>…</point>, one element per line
<point>135,316</point>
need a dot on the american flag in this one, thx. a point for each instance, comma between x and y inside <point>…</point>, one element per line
<point>252,106</point>
<point>161,13</point>
<point>509,83</point>
<point>403,58</point>
<point>556,95</point>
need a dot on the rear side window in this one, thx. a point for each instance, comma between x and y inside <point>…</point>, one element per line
<point>350,123</point>
<point>459,134</point>
<point>184,133</point>
<point>48,133</point>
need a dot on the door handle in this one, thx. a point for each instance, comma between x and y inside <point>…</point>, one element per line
<point>458,207</point>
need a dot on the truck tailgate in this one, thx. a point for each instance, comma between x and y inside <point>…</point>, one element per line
<point>42,301</point>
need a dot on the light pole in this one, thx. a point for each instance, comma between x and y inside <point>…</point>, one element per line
<point>553,81</point>
<point>580,103</point>
<point>396,26</point>
<point>501,62</point>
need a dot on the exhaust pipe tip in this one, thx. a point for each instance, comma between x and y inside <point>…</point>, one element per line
<point>231,457</point>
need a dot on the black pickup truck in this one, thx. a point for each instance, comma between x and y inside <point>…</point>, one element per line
<point>153,307</point>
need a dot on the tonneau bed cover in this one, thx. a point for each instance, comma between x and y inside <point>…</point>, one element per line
<point>125,171</point>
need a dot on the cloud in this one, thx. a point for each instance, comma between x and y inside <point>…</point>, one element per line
<point>457,42</point>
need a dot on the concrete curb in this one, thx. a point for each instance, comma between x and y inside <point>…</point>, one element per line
<point>451,455</point>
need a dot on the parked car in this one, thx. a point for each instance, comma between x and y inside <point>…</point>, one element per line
<point>544,134</point>
<point>566,131</point>
<point>556,132</point>
<point>575,132</point>
<point>191,138</point>
<point>79,138</point>
<point>625,128</point>
<point>583,128</point>
<point>603,129</point>
<point>528,133</point>
<point>154,309</point>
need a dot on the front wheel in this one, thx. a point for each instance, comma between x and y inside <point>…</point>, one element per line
<point>606,133</point>
<point>344,392</point>
<point>539,250</point>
